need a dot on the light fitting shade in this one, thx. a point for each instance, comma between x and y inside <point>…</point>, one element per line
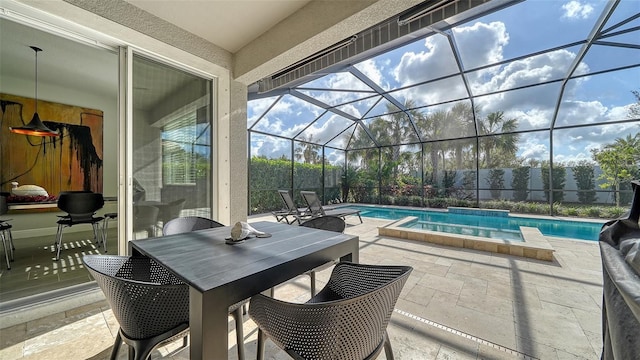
<point>35,127</point>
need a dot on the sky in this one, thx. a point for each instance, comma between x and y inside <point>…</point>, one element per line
<point>526,28</point>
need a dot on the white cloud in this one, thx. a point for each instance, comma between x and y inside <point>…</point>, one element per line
<point>322,131</point>
<point>434,61</point>
<point>541,68</point>
<point>535,152</point>
<point>481,43</point>
<point>271,147</point>
<point>576,10</point>
<point>574,112</point>
<point>369,68</point>
<point>258,107</point>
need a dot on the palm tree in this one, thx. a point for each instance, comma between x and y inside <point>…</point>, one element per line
<point>307,151</point>
<point>391,129</point>
<point>462,114</point>
<point>495,144</point>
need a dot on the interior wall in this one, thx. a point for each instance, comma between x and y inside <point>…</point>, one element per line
<point>27,223</point>
<point>54,93</point>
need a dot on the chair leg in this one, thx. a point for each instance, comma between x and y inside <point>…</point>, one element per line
<point>104,233</point>
<point>13,247</point>
<point>116,346</point>
<point>59,241</point>
<point>96,239</point>
<point>105,228</point>
<point>6,249</point>
<point>312,274</point>
<point>237,317</point>
<point>133,352</point>
<point>261,340</point>
<point>9,239</point>
<point>388,351</point>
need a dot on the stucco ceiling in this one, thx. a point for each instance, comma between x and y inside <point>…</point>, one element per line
<point>241,22</point>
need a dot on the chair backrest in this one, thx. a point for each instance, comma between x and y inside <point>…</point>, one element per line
<point>355,307</point>
<point>172,210</point>
<point>313,202</point>
<point>145,217</point>
<point>188,224</point>
<point>327,222</point>
<point>288,200</point>
<point>80,205</point>
<point>146,299</point>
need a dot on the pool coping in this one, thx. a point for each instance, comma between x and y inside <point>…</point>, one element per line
<point>534,244</point>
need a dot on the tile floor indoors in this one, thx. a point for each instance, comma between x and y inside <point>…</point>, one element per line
<point>457,304</point>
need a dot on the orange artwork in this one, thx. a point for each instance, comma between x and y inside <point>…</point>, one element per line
<point>71,161</point>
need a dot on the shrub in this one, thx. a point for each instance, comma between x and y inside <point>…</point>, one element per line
<point>585,180</point>
<point>520,183</point>
<point>496,182</point>
<point>559,177</point>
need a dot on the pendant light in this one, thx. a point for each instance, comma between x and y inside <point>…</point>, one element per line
<point>35,127</point>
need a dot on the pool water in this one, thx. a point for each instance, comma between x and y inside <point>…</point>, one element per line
<point>495,225</point>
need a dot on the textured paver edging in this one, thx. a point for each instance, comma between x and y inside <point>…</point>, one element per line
<point>534,246</point>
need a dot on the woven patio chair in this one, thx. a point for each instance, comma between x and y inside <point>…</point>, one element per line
<point>150,303</point>
<point>330,223</point>
<point>346,320</point>
<point>187,224</point>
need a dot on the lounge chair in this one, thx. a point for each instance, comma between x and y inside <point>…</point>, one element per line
<point>314,207</point>
<point>290,210</point>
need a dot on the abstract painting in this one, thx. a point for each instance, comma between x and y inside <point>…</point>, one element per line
<point>71,161</point>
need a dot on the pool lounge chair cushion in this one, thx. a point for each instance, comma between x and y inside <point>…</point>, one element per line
<point>314,207</point>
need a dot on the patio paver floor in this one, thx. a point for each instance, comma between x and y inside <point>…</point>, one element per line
<point>457,304</point>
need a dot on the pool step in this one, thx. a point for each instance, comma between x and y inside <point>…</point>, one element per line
<point>534,246</point>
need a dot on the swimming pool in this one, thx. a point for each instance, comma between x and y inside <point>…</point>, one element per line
<point>484,223</point>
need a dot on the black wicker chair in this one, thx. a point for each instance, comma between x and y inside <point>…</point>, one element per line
<point>5,231</point>
<point>193,223</point>
<point>346,320</point>
<point>188,223</point>
<point>80,207</point>
<point>330,223</point>
<point>150,303</point>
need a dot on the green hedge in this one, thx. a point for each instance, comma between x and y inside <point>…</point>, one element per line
<point>267,176</point>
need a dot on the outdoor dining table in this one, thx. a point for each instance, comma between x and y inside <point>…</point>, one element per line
<point>220,274</point>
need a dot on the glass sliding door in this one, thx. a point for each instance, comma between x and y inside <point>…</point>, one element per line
<point>171,145</point>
